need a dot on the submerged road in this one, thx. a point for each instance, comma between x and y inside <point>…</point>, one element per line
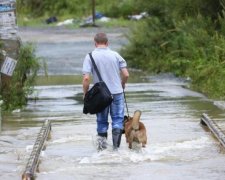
<point>178,147</point>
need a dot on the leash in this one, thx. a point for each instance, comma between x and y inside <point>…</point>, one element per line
<point>126,102</point>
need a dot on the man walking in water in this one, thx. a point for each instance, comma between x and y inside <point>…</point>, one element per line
<point>113,70</point>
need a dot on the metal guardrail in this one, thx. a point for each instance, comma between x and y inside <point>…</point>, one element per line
<point>215,129</point>
<point>39,145</point>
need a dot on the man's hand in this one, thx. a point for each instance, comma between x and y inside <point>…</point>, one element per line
<point>124,76</point>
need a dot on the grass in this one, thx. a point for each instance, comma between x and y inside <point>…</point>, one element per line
<point>40,22</point>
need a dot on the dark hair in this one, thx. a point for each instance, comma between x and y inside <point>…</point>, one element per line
<point>101,38</point>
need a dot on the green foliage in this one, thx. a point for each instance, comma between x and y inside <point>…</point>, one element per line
<point>21,84</point>
<point>118,8</point>
<point>183,37</point>
<point>77,8</point>
<point>37,8</point>
<point>180,8</point>
<point>208,75</point>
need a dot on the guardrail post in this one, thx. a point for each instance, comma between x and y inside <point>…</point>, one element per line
<point>39,145</point>
<point>214,128</point>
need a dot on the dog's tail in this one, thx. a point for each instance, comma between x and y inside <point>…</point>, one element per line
<point>136,117</point>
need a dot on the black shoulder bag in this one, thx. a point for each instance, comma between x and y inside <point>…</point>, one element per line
<point>98,97</point>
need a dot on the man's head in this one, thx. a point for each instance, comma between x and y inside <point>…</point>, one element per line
<point>101,39</point>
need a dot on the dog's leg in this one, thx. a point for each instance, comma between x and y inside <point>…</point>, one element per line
<point>131,138</point>
<point>130,145</point>
<point>144,143</point>
<point>127,136</point>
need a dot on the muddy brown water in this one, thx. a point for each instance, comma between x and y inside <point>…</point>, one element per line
<point>178,147</point>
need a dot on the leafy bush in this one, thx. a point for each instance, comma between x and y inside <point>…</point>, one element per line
<point>174,40</point>
<point>37,8</point>
<point>77,8</point>
<point>21,85</point>
<point>118,8</point>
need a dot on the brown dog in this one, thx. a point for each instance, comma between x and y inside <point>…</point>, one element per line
<point>135,130</point>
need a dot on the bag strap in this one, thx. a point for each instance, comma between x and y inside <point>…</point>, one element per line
<point>95,67</point>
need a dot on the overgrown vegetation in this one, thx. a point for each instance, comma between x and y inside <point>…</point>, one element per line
<point>38,8</point>
<point>76,8</point>
<point>15,94</point>
<point>183,37</point>
<point>35,12</point>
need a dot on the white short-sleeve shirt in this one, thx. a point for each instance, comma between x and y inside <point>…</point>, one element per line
<point>109,64</point>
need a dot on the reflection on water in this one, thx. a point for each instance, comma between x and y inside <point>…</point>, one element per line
<point>178,147</point>
<point>135,77</point>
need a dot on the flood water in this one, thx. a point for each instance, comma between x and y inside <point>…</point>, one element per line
<point>178,147</point>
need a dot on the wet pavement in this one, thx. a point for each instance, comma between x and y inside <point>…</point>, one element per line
<point>178,147</point>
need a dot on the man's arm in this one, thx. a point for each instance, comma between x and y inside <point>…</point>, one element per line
<point>124,76</point>
<point>86,83</point>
